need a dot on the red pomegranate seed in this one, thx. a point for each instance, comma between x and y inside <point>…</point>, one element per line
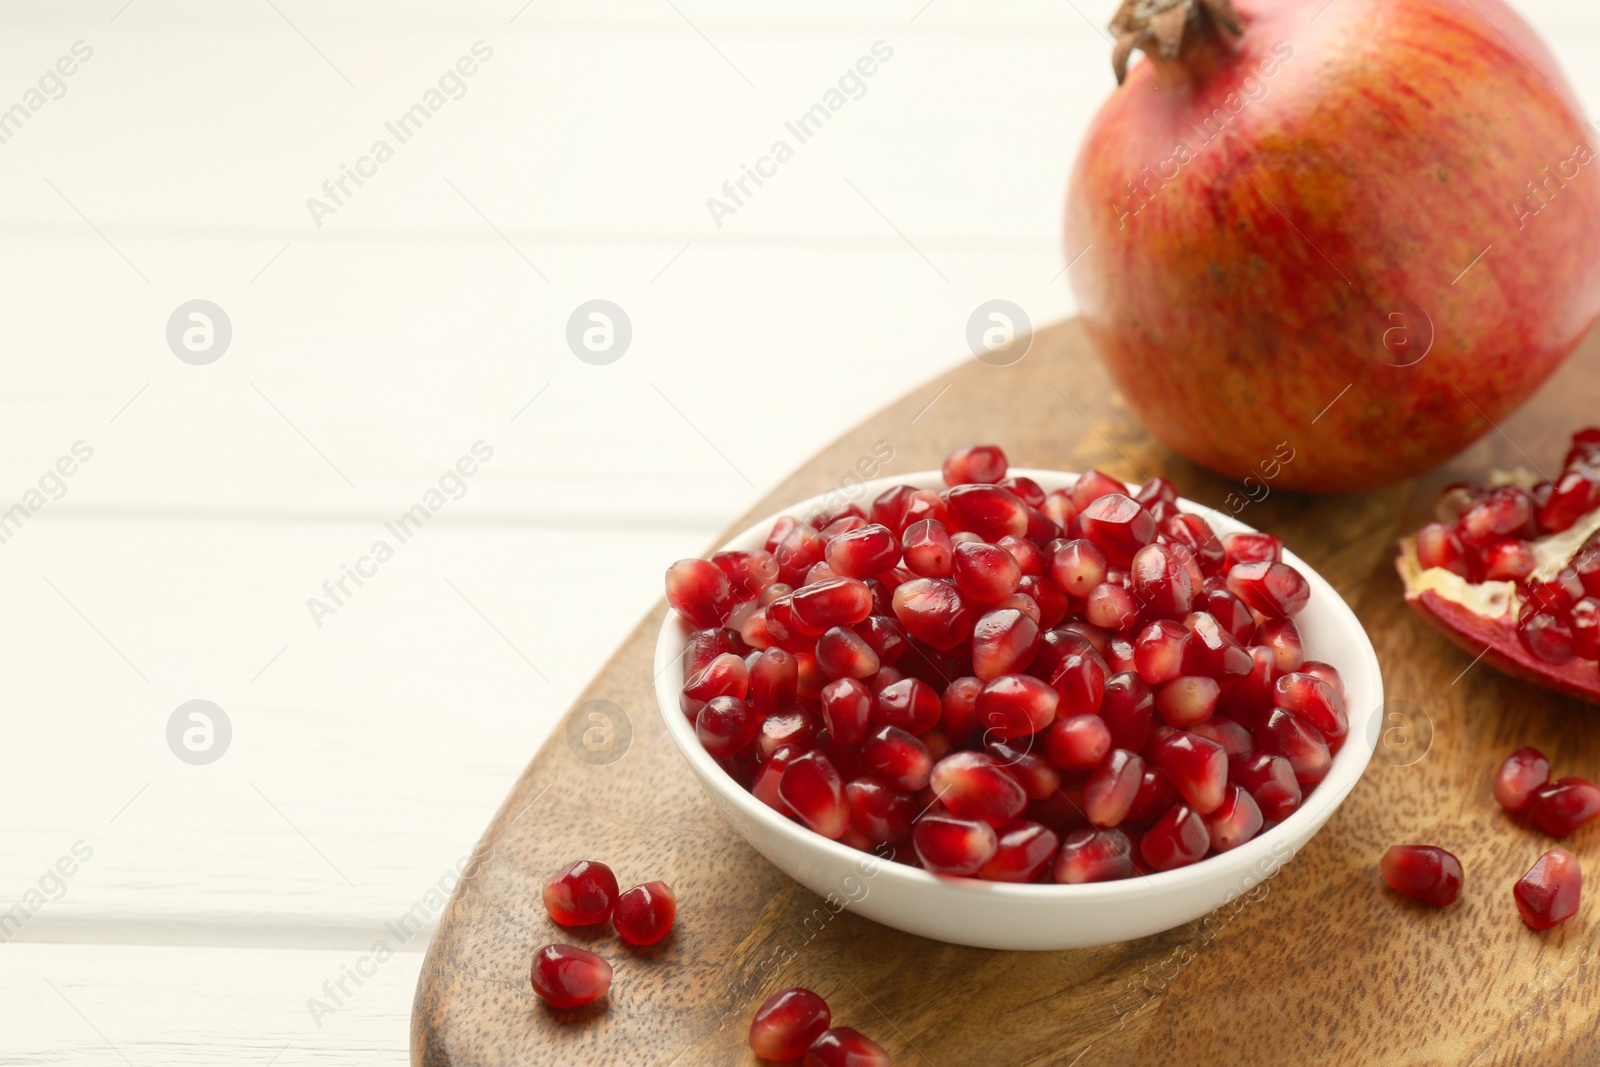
<point>1270,780</point>
<point>1029,556</point>
<point>1228,610</point>
<point>1233,738</point>
<point>581,894</point>
<point>1159,651</point>
<point>842,525</point>
<point>1275,590</point>
<point>910,704</point>
<point>980,464</point>
<point>1545,637</point>
<point>1197,767</point>
<point>1079,679</point>
<point>845,1047</point>
<point>846,709</point>
<point>1078,743</point>
<point>1018,601</point>
<point>1111,607</point>
<point>1077,566</point>
<point>568,977</point>
<point>1251,547</point>
<point>819,572</point>
<point>705,646</point>
<point>1425,872</point>
<point>878,811</point>
<point>1522,774</point>
<point>800,550</point>
<point>1016,705</point>
<point>644,913</point>
<point>1573,496</point>
<point>973,785</point>
<point>1160,583</point>
<point>1128,708</point>
<point>1236,821</point>
<point>1585,626</point>
<point>933,611</point>
<point>812,788</point>
<point>1092,485</point>
<point>1286,734</point>
<point>1039,779</point>
<point>832,602</point>
<point>1565,804</point>
<point>989,511</point>
<point>726,675</point>
<point>1508,561</point>
<point>928,550</point>
<point>1438,546</point>
<point>787,1023</point>
<point>897,757</point>
<point>1283,638</point>
<point>772,681</point>
<point>959,715</point>
<point>726,725</point>
<point>1052,600</point>
<point>863,552</point>
<point>808,677</point>
<point>1024,850</point>
<point>1314,701</point>
<point>1558,595</point>
<point>1178,838</point>
<point>1109,792</point>
<point>1118,526</point>
<point>765,788</point>
<point>844,653</point>
<point>1503,513</point>
<point>1156,794</point>
<point>985,573</point>
<point>1026,489</point>
<point>1326,673</point>
<point>885,636</point>
<point>1185,701</point>
<point>1216,653</point>
<point>1119,655</point>
<point>748,572</point>
<point>1156,490</point>
<point>699,591</point>
<point>1093,856</point>
<point>948,845</point>
<point>1548,894</point>
<point>1003,642</point>
<point>1196,534</point>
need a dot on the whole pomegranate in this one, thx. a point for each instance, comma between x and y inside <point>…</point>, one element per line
<point>1350,233</point>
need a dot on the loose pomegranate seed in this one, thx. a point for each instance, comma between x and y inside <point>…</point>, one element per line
<point>1503,513</point>
<point>1093,485</point>
<point>1326,673</point>
<point>1119,655</point>
<point>959,715</point>
<point>897,757</point>
<point>726,675</point>
<point>982,464</point>
<point>1078,743</point>
<point>1275,590</point>
<point>1053,602</point>
<point>808,677</point>
<point>726,725</point>
<point>644,913</point>
<point>1563,805</point>
<point>1438,546</point>
<point>1038,778</point>
<point>1159,651</point>
<point>1283,638</point>
<point>1111,607</point>
<point>844,653</point>
<point>910,704</point>
<point>1233,738</point>
<point>1316,702</point>
<point>1196,766</point>
<point>1025,849</point>
<point>1186,701</point>
<point>1228,611</point>
<point>819,572</point>
<point>845,1047</point>
<point>878,811</point>
<point>973,785</point>
<point>1029,556</point>
<point>1093,856</point>
<point>1545,637</point>
<point>863,552</point>
<point>985,573</point>
<point>842,525</point>
<point>846,709</point>
<point>1079,679</point>
<point>748,572</point>
<point>832,602</point>
<point>772,680</point>
<point>705,646</point>
<point>1118,526</point>
<point>1077,566</point>
<point>1522,774</point>
<point>1428,873</point>
<point>989,511</point>
<point>1252,547</point>
<point>765,788</point>
<point>699,591</point>
<point>1250,699</point>
<point>1003,642</point>
<point>1128,708</point>
<point>1270,780</point>
<point>1216,652</point>
<point>933,611</point>
<point>1016,705</point>
<point>581,894</point>
<point>568,977</point>
<point>1286,734</point>
<point>1196,534</point>
<point>948,845</point>
<point>928,550</point>
<point>1236,821</point>
<point>1160,583</point>
<point>1548,894</point>
<point>812,788</point>
<point>1178,838</point>
<point>787,1023</point>
<point>800,550</point>
<point>1109,792</point>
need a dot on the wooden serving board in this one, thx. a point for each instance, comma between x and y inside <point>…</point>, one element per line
<point>1327,966</point>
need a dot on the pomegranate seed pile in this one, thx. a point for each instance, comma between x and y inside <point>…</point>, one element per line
<point>584,893</point>
<point>794,1022</point>
<point>998,682</point>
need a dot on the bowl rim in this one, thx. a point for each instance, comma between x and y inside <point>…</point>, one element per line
<point>1259,856</point>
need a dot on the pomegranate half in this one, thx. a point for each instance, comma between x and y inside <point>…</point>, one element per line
<point>1350,233</point>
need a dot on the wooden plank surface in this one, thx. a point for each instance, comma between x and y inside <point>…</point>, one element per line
<point>1326,967</point>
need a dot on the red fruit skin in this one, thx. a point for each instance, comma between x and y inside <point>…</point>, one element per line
<point>1260,273</point>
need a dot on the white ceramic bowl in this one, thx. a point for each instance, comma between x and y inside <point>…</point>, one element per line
<point>1002,915</point>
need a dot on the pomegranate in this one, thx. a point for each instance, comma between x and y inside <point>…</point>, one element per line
<point>1328,257</point>
<point>644,914</point>
<point>1548,894</point>
<point>787,1023</point>
<point>1424,872</point>
<point>1540,624</point>
<point>582,893</point>
<point>1067,687</point>
<point>568,977</point>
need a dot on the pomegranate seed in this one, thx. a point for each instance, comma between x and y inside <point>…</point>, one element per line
<point>812,788</point>
<point>1236,821</point>
<point>1058,508</point>
<point>1197,767</point>
<point>800,550</point>
<point>1159,651</point>
<point>959,714</point>
<point>787,1023</point>
<point>1038,778</point>
<point>845,1047</point>
<point>725,675</point>
<point>1251,547</point>
<point>885,637</point>
<point>1522,774</point>
<point>808,677</point>
<point>832,602</point>
<point>1585,626</point>
<point>1052,600</point>
<point>1078,743</point>
<point>1503,513</point>
<point>1558,595</point>
<point>948,845</point>
<point>1270,780</point>
<point>1118,526</point>
<point>1196,534</point>
<point>1024,850</point>
<point>1233,738</point>
<point>933,611</point>
<point>1572,497</point>
<point>973,785</point>
<point>910,704</point>
<point>765,788</point>
<point>1228,610</point>
<point>842,525</point>
<point>1438,546</point>
<point>985,573</point>
<point>795,725</point>
<point>863,552</point>
<point>1286,734</point>
<point>1109,792</point>
<point>989,511</point>
<point>844,653</point>
<point>644,913</point>
<point>981,464</point>
<point>1508,561</point>
<point>1326,673</point>
<point>568,977</point>
<point>1111,607</point>
<point>1093,485</point>
<point>1186,701</point>
<point>1275,590</point>
<point>1119,655</point>
<point>878,811</point>
<point>772,681</point>
<point>1316,702</point>
<point>1548,894</point>
<point>1093,856</point>
<point>1156,794</point>
<point>1029,556</point>
<point>1425,872</point>
<point>846,709</point>
<point>780,530</point>
<point>1283,638</point>
<point>1585,449</point>
<point>1003,642</point>
<point>928,550</point>
<point>1016,705</point>
<point>1216,653</point>
<point>705,646</point>
<point>581,894</point>
<point>1128,708</point>
<point>1156,490</point>
<point>1160,583</point>
<point>1544,637</point>
<point>726,725</point>
<point>1178,838</point>
<point>699,591</point>
<point>1077,566</point>
<point>1565,804</point>
<point>748,572</point>
<point>897,757</point>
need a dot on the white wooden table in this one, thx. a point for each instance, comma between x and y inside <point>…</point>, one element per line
<point>375,339</point>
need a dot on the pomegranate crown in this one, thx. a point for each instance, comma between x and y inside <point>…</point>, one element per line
<point>1162,24</point>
